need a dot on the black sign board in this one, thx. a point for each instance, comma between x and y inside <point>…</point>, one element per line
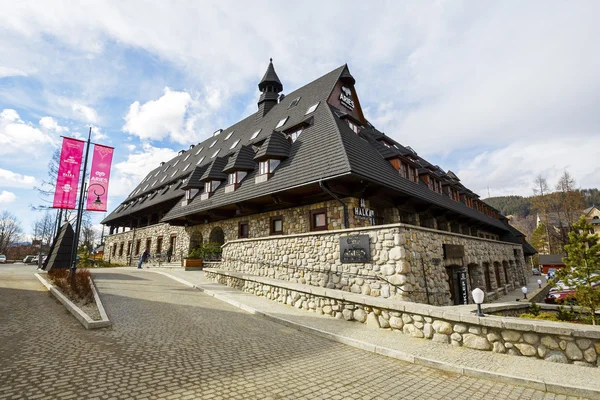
<point>463,294</point>
<point>354,249</point>
<point>454,251</point>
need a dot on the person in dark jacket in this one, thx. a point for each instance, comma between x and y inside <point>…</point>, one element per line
<point>143,258</point>
<point>169,253</point>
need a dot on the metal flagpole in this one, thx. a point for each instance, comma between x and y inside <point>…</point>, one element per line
<point>79,212</point>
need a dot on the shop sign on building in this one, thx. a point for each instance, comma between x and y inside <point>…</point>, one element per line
<point>346,98</point>
<point>454,251</point>
<point>363,213</point>
<point>462,287</point>
<point>354,249</point>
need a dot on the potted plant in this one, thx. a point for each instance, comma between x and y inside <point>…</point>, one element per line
<point>194,259</point>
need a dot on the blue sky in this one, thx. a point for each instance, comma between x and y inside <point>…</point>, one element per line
<point>496,92</point>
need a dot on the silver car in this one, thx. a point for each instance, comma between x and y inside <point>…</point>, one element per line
<point>2,259</point>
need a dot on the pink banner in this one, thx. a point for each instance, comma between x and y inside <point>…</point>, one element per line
<point>99,177</point>
<point>67,179</point>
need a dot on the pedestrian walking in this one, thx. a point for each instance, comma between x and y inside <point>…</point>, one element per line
<point>169,253</point>
<point>143,258</point>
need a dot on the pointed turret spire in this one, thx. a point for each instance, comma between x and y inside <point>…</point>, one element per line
<point>270,86</point>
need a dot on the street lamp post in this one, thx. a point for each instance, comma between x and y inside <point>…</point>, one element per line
<point>539,282</point>
<point>478,296</point>
<point>524,290</point>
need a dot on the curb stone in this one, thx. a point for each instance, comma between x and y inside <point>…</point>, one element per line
<point>553,387</point>
<point>82,317</point>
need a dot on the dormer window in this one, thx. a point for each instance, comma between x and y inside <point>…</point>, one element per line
<point>281,122</point>
<point>356,129</point>
<point>312,108</point>
<point>217,132</point>
<point>228,135</point>
<point>294,102</point>
<point>267,166</point>
<point>255,134</point>
<point>404,170</point>
<point>213,143</point>
<point>294,135</point>
<point>233,180</point>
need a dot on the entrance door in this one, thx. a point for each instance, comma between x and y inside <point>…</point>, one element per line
<point>457,281</point>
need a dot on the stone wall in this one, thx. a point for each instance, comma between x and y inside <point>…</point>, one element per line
<point>407,262</point>
<point>152,232</point>
<point>550,341</point>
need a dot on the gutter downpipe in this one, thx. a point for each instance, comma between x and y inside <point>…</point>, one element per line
<point>132,246</point>
<point>326,190</point>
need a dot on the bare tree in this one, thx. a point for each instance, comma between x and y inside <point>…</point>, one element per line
<point>43,229</point>
<point>10,230</point>
<point>541,203</point>
<point>570,202</point>
<point>88,234</point>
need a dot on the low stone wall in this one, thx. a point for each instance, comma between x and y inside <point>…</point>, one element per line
<point>550,341</point>
<point>407,262</point>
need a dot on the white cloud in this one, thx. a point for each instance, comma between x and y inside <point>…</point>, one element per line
<point>13,179</point>
<point>7,71</point>
<point>88,114</point>
<point>50,124</point>
<point>512,169</point>
<point>174,115</point>
<point>129,173</point>
<point>16,136</point>
<point>7,197</point>
<point>97,134</point>
<point>131,147</point>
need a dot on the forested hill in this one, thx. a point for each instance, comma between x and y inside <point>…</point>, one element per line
<point>522,206</point>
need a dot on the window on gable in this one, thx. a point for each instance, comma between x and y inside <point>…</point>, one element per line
<point>235,144</point>
<point>255,134</point>
<point>312,108</point>
<point>294,135</point>
<point>228,135</point>
<point>356,128</point>
<point>404,170</point>
<point>213,143</point>
<point>216,152</point>
<point>281,122</point>
<point>276,225</point>
<point>200,160</point>
<point>294,103</point>
<point>199,150</point>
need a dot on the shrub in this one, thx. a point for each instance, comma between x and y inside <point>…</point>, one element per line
<point>566,315</point>
<point>546,316</point>
<point>206,251</point>
<point>80,289</point>
<point>534,308</point>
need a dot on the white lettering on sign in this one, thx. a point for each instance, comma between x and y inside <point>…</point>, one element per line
<point>346,98</point>
<point>364,213</point>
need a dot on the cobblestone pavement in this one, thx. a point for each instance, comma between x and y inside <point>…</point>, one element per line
<point>169,341</point>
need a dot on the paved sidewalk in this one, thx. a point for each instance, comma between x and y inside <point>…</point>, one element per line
<point>557,378</point>
<point>517,294</point>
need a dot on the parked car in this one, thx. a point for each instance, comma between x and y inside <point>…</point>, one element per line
<point>36,258</point>
<point>2,259</point>
<point>28,259</point>
<point>535,271</point>
<point>551,273</point>
<point>562,293</point>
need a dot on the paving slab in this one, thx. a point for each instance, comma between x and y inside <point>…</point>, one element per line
<point>565,379</point>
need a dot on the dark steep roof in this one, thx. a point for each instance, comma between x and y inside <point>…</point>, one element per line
<point>214,172</point>
<point>551,258</point>
<point>277,145</point>
<point>195,179</point>
<point>241,160</point>
<point>270,78</point>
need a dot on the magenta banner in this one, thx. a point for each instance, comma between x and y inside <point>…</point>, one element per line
<point>67,179</point>
<point>99,177</point>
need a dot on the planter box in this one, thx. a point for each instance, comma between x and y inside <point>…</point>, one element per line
<point>192,264</point>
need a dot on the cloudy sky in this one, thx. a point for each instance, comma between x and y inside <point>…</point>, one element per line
<point>497,92</point>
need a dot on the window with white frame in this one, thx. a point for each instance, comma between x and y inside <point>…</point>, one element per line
<point>255,134</point>
<point>208,187</point>
<point>356,128</point>
<point>267,166</point>
<point>281,122</point>
<point>294,135</point>
<point>312,108</point>
<point>232,178</point>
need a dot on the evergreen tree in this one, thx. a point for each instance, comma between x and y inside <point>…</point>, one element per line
<point>582,266</point>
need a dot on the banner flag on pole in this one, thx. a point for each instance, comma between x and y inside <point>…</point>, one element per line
<point>99,176</point>
<point>67,179</point>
